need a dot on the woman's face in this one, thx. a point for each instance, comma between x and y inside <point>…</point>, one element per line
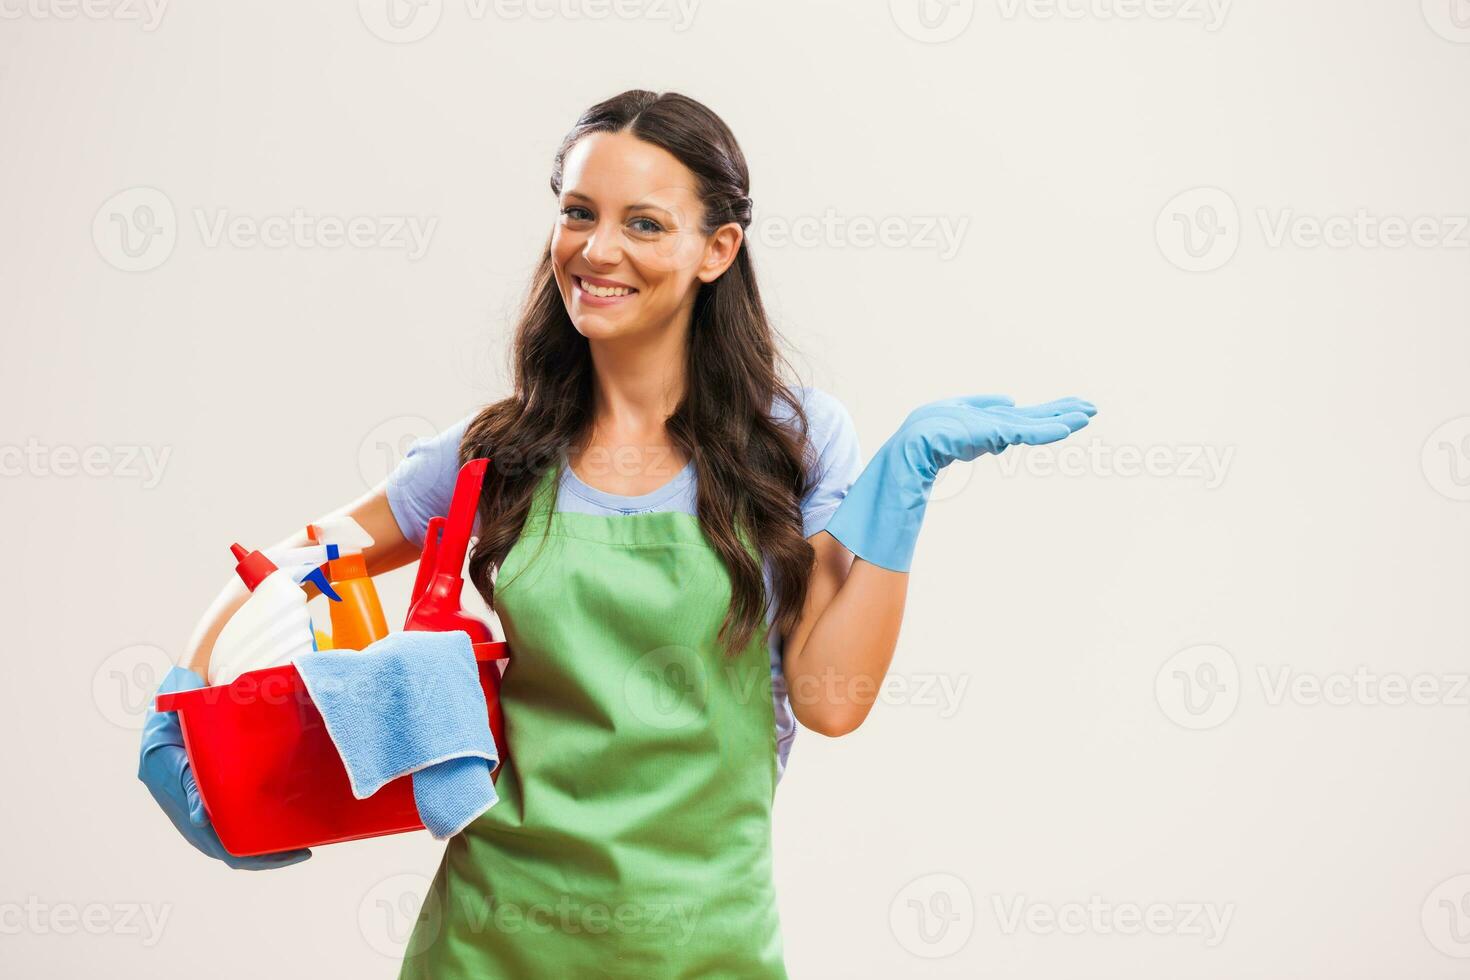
<point>628,250</point>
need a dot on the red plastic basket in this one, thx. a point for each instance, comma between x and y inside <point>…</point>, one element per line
<point>267,770</point>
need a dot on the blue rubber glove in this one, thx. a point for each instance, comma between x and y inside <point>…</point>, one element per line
<point>879,519</point>
<point>163,766</point>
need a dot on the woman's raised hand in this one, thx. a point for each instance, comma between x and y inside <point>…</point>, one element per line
<point>970,426</point>
<point>880,517</point>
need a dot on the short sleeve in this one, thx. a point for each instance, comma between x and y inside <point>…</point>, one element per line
<point>421,486</point>
<point>839,461</point>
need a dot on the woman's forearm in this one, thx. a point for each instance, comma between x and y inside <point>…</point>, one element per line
<point>835,673</point>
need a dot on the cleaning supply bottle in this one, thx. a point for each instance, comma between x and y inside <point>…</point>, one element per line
<point>358,619</point>
<point>304,565</point>
<point>273,625</point>
<point>435,602</point>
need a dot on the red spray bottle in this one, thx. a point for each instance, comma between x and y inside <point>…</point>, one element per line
<point>435,602</point>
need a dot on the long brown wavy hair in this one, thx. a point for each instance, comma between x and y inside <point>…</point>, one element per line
<point>752,471</point>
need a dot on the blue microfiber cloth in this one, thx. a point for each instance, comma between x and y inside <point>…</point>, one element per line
<point>410,703</point>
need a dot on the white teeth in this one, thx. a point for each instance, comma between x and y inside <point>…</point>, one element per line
<point>592,290</point>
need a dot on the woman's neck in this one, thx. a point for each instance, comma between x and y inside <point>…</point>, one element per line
<point>637,385</point>
<point>638,382</point>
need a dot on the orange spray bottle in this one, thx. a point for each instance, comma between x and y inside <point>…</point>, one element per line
<point>358,619</point>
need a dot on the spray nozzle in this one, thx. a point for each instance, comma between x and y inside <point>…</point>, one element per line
<point>304,565</point>
<point>341,532</point>
<point>318,579</point>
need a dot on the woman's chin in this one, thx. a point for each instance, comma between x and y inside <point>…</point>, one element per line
<point>599,326</point>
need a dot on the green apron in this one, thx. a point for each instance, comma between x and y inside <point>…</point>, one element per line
<point>632,837</point>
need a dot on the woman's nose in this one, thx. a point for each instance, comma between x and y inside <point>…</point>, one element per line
<point>602,247</point>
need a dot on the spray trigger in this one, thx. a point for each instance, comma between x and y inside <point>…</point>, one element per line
<point>320,581</point>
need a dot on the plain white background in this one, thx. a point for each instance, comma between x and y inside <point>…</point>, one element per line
<point>1185,699</point>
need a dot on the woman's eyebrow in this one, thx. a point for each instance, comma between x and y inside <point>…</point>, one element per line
<point>636,206</point>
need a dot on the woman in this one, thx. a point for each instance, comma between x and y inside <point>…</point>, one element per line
<point>667,614</point>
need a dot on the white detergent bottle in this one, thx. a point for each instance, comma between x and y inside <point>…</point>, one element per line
<point>271,628</point>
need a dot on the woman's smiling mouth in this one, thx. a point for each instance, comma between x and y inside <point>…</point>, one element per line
<point>601,292</point>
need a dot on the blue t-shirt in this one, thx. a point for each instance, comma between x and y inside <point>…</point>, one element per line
<point>421,486</point>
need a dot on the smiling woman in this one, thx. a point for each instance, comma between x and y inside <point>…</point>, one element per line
<point>646,695</point>
<point>670,617</point>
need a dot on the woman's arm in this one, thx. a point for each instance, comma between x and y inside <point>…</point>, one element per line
<point>838,654</point>
<point>841,649</point>
<point>390,550</point>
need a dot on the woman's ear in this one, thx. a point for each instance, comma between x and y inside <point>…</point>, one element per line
<point>720,251</point>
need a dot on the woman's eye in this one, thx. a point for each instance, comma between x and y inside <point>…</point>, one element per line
<point>647,226</point>
<point>575,212</point>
